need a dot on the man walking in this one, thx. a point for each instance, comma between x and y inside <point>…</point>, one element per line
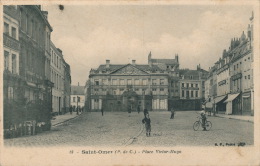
<point>102,111</point>
<point>138,109</point>
<point>147,122</point>
<point>172,113</point>
<point>70,110</point>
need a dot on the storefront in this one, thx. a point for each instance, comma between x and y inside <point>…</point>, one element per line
<point>233,104</point>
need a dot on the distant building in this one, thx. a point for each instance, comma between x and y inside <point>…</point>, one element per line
<point>192,88</point>
<point>77,96</point>
<point>126,87</point>
<point>67,86</point>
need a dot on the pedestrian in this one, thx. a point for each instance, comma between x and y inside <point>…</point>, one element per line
<point>138,109</point>
<point>129,110</point>
<point>71,110</point>
<point>147,122</point>
<point>77,110</point>
<point>204,118</point>
<point>145,112</point>
<point>172,113</point>
<point>102,111</point>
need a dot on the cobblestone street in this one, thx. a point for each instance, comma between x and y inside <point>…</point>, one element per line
<point>117,129</point>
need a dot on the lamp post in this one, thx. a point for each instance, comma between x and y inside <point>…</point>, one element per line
<point>77,105</point>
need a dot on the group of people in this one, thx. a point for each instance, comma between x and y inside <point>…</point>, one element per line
<point>76,109</point>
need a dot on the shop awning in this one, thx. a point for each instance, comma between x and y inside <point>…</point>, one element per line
<point>218,99</point>
<point>209,105</point>
<point>231,97</point>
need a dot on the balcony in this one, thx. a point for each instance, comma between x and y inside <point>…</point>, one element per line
<point>11,42</point>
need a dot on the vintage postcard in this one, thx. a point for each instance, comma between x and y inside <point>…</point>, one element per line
<point>130,83</point>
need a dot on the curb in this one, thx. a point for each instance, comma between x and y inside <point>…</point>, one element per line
<point>234,119</point>
<point>57,124</point>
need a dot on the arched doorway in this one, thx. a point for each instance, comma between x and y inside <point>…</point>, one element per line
<point>130,100</point>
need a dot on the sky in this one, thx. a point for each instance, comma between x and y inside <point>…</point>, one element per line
<point>89,35</point>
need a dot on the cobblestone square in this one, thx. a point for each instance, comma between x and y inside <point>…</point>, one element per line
<point>119,129</point>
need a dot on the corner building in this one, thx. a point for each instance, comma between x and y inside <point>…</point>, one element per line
<point>126,86</point>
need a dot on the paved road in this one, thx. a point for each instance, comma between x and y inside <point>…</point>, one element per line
<point>117,129</point>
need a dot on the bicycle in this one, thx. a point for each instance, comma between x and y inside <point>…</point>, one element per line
<point>198,123</point>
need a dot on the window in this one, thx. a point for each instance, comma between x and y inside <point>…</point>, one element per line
<point>96,90</point>
<point>23,21</point>
<point>104,81</point>
<point>137,82</point>
<point>154,89</point>
<point>245,77</point>
<point>14,32</point>
<point>234,67</point>
<point>6,28</point>
<point>74,99</point>
<point>13,63</point>
<point>154,82</point>
<point>192,94</point>
<point>248,58</point>
<point>122,82</point>
<point>182,85</point>
<point>187,94</point>
<point>114,82</point>
<point>161,89</point>
<point>129,82</point>
<point>10,93</point>
<point>144,82</point>
<point>248,77</point>
<point>196,85</point>
<point>191,85</point>
<point>6,63</point>
<point>187,85</point>
<point>161,81</point>
<point>196,93</point>
<point>96,82</point>
<point>182,93</point>
<point>136,89</point>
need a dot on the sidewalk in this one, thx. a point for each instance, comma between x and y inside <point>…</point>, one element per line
<point>63,118</point>
<point>247,118</point>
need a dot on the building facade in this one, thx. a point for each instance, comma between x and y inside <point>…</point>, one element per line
<point>192,88</point>
<point>26,77</point>
<point>234,70</point>
<point>67,86</point>
<point>77,97</point>
<point>127,87</point>
<point>57,77</point>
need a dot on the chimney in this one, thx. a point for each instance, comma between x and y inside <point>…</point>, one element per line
<point>177,58</point>
<point>133,62</point>
<point>45,13</point>
<point>150,59</point>
<point>107,63</point>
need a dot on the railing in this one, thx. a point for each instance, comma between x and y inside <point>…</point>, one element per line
<point>11,42</point>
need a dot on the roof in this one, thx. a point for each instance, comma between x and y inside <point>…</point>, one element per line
<point>189,72</point>
<point>166,61</point>
<point>77,90</point>
<point>113,67</point>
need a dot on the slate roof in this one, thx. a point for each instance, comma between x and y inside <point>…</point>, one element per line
<point>166,61</point>
<point>77,90</point>
<point>113,67</point>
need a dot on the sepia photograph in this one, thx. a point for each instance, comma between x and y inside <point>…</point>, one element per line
<point>132,83</point>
